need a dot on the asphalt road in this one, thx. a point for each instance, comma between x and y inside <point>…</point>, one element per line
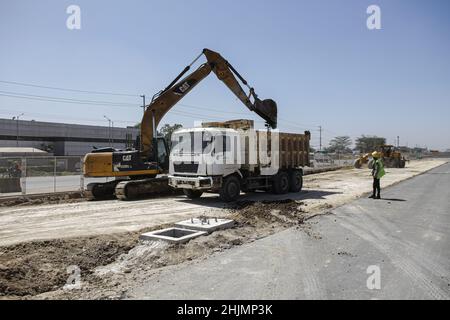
<point>405,236</point>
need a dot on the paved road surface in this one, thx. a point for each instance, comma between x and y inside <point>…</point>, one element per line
<point>407,235</point>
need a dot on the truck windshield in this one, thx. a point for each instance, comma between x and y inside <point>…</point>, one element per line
<point>192,142</point>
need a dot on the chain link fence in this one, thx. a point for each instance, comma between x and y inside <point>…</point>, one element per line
<point>33,175</point>
<point>324,160</point>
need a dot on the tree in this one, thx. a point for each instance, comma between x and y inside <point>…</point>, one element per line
<point>167,130</point>
<point>340,144</point>
<point>368,143</point>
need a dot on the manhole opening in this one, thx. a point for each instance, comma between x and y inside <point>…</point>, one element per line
<point>175,233</point>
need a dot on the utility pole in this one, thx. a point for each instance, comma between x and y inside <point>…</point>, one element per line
<point>17,128</point>
<point>112,133</point>
<point>109,129</point>
<point>320,138</point>
<point>143,102</point>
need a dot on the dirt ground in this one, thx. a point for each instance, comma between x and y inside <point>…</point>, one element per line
<point>38,243</point>
<point>110,264</point>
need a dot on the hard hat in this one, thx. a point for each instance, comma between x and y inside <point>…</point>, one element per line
<point>376,154</point>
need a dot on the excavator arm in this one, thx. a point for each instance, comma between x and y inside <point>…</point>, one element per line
<point>177,89</point>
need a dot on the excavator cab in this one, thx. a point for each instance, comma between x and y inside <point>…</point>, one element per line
<point>110,162</point>
<point>162,156</point>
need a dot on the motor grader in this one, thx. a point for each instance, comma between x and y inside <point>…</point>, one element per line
<point>391,156</point>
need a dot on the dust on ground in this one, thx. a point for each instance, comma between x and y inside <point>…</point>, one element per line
<point>112,261</point>
<point>90,218</point>
<point>110,264</point>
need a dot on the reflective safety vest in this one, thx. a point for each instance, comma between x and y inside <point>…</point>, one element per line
<point>380,168</point>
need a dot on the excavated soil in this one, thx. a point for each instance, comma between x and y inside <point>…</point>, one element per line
<point>71,197</point>
<point>109,264</point>
<point>41,266</point>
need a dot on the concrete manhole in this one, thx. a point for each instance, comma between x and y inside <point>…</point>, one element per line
<point>205,224</point>
<point>173,235</point>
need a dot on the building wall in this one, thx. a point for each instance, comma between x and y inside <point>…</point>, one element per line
<point>66,139</point>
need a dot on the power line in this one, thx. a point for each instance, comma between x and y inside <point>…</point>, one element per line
<point>105,103</point>
<point>70,90</point>
<point>299,125</point>
<point>20,94</point>
<point>209,109</point>
<point>73,101</point>
<point>116,104</point>
<point>61,117</point>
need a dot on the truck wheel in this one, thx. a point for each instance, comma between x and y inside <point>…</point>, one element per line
<point>192,194</point>
<point>402,163</point>
<point>295,181</point>
<point>230,189</point>
<point>280,183</point>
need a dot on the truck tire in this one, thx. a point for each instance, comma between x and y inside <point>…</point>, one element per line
<point>192,194</point>
<point>295,181</point>
<point>280,183</point>
<point>230,189</point>
<point>402,163</point>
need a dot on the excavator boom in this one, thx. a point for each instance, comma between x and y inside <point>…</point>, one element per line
<point>166,99</point>
<point>140,168</point>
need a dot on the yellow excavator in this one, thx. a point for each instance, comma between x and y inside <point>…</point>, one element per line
<point>135,170</point>
<point>392,158</point>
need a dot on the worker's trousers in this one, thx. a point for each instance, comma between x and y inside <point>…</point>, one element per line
<point>376,187</point>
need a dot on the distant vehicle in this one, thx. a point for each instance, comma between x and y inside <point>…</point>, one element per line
<point>392,158</point>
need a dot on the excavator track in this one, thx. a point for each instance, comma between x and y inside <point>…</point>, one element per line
<point>101,190</point>
<point>133,189</point>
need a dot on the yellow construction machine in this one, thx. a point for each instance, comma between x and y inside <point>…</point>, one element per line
<point>392,158</point>
<point>135,170</point>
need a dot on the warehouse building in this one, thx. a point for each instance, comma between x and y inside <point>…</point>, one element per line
<point>63,139</point>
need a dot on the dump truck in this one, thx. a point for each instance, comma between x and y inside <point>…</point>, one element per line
<point>135,171</point>
<point>230,157</point>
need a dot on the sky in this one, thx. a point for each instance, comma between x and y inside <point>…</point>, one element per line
<point>316,59</point>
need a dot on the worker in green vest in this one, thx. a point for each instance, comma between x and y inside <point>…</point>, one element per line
<point>377,173</point>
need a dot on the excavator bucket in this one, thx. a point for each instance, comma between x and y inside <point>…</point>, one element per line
<point>267,109</point>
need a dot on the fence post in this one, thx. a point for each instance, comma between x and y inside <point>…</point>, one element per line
<point>24,176</point>
<point>81,174</point>
<point>54,174</point>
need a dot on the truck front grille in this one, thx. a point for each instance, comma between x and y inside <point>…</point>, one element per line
<point>186,167</point>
